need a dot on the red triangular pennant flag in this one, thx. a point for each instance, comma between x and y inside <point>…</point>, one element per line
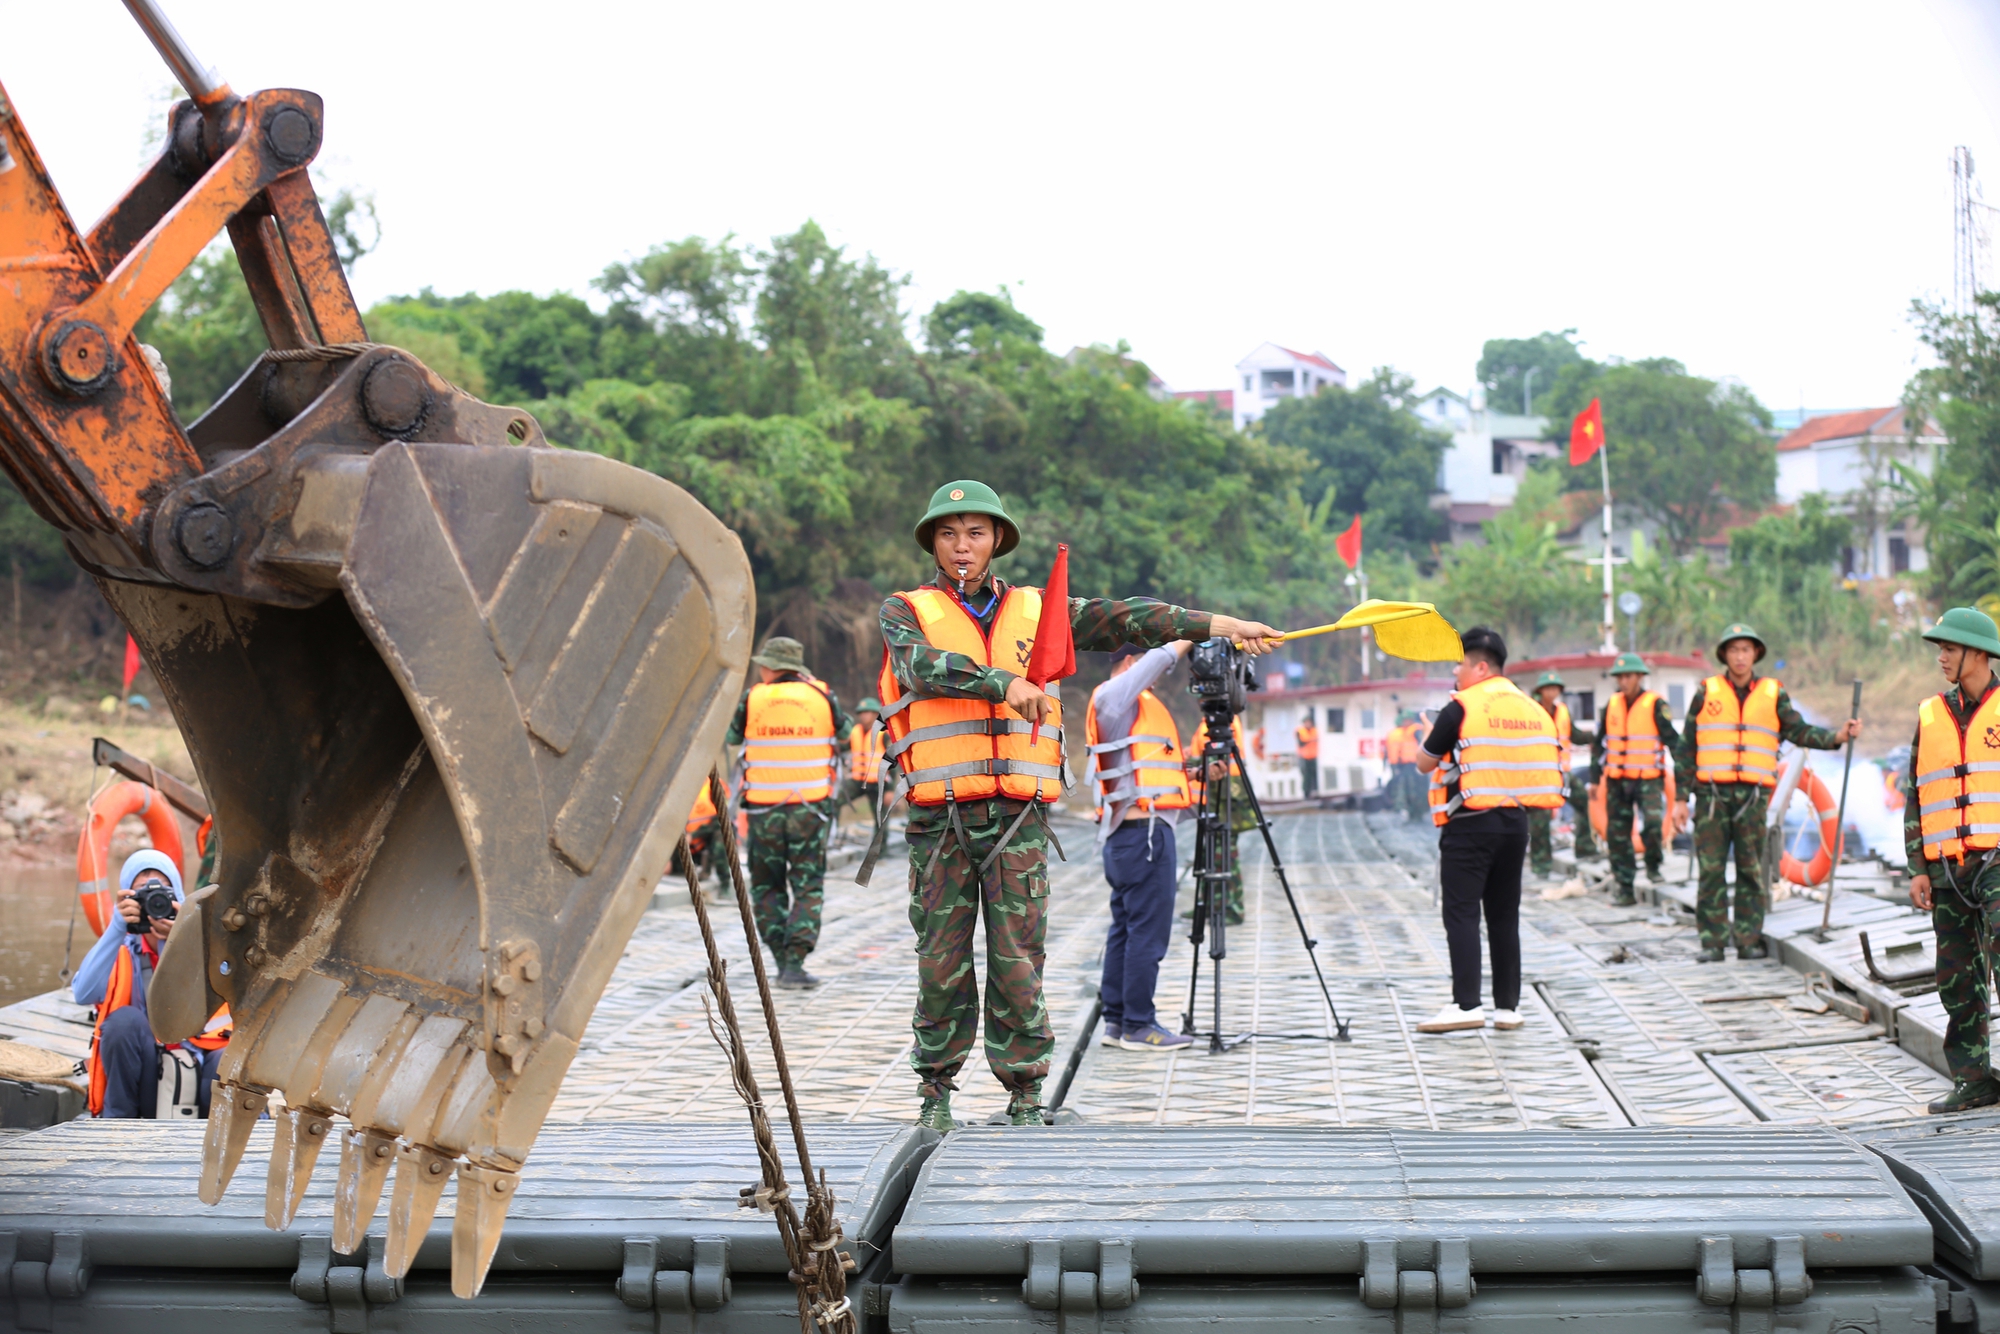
<point>1348,544</point>
<point>132,663</point>
<point>1054,653</point>
<point>1586,434</point>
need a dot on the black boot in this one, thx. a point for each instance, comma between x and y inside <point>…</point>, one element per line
<point>1756,951</point>
<point>793,974</point>
<point>1965,1096</point>
<point>1623,897</point>
<point>1711,955</point>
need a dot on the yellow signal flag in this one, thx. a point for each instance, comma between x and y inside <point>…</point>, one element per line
<point>1413,630</point>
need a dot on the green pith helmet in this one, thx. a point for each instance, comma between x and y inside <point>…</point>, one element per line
<point>1739,631</point>
<point>781,654</point>
<point>1968,626</point>
<point>1406,717</point>
<point>1630,662</point>
<point>968,498</point>
<point>869,705</point>
<point>1548,679</point>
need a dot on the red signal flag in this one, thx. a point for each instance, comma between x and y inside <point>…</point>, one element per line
<point>132,662</point>
<point>1054,653</point>
<point>1348,544</point>
<point>1586,434</point>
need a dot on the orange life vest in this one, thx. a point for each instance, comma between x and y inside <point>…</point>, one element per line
<point>952,749</point>
<point>788,751</point>
<point>1506,754</point>
<point>1632,747</point>
<point>1958,778</point>
<point>214,1035</point>
<point>1737,742</point>
<point>1146,768</point>
<point>1308,739</point>
<point>1198,778</point>
<point>703,812</point>
<point>864,754</point>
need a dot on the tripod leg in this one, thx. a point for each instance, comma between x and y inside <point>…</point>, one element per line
<point>1195,928</point>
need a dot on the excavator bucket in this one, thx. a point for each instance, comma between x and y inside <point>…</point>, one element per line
<point>450,691</point>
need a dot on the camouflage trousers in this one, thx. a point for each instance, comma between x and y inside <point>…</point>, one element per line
<point>1647,799</point>
<point>1409,791</point>
<point>1965,913</point>
<point>788,875</point>
<point>1579,814</point>
<point>1729,815</point>
<point>702,846</point>
<point>948,897</point>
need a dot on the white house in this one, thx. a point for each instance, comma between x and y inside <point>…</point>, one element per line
<point>1848,456</point>
<point>1272,372</point>
<point>1488,457</point>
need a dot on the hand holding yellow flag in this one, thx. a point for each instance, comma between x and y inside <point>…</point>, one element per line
<point>1412,630</point>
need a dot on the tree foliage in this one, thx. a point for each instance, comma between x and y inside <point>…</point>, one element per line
<point>1958,505</point>
<point>1504,364</point>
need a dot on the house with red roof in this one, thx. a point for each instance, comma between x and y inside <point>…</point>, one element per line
<point>1273,372</point>
<point>1849,457</point>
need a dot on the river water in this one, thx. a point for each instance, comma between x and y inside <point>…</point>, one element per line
<point>35,908</point>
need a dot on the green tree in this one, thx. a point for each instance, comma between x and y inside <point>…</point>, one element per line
<point>1504,364</point>
<point>1520,579</point>
<point>1684,450</point>
<point>206,329</point>
<point>1958,505</point>
<point>1371,454</point>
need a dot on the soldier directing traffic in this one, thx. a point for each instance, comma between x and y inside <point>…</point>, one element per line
<point>1949,834</point>
<point>1634,738</point>
<point>1541,820</point>
<point>961,718</point>
<point>1734,724</point>
<point>787,725</point>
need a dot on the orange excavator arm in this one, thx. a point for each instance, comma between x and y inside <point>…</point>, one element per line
<point>450,693</point>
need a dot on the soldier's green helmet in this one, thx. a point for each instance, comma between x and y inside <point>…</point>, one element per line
<point>1548,679</point>
<point>1968,626</point>
<point>968,497</point>
<point>1739,631</point>
<point>869,705</point>
<point>1629,662</point>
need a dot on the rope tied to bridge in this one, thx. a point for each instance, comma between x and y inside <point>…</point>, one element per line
<point>818,1271</point>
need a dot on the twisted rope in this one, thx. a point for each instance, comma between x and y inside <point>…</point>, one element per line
<point>320,352</point>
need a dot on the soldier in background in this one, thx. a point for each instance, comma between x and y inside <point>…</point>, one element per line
<point>1406,785</point>
<point>864,757</point>
<point>787,725</point>
<point>1633,739</point>
<point>1307,737</point>
<point>1541,822</point>
<point>1950,833</point>
<point>1730,746</point>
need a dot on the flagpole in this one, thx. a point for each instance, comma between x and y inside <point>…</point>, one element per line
<point>1604,471</point>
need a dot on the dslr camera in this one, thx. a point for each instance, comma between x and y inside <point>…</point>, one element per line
<point>1220,676</point>
<point>156,904</point>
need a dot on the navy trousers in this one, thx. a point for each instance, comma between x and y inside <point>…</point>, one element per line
<point>1139,863</point>
<point>132,1066</point>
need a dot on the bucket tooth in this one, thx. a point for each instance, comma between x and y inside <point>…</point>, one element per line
<point>483,1196</point>
<point>364,1167</point>
<point>420,1177</point>
<point>297,1137</point>
<point>233,1111</point>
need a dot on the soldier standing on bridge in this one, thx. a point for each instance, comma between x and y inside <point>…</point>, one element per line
<point>960,716</point>
<point>1633,739</point>
<point>1542,821</point>
<point>1950,833</point>
<point>787,725</point>
<point>1734,724</point>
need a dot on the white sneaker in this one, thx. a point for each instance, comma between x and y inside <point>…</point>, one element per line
<point>1451,1019</point>
<point>1506,1019</point>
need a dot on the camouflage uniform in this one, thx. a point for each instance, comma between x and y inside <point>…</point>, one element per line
<point>945,898</point>
<point>1643,798</point>
<point>1734,815</point>
<point>787,853</point>
<point>1965,913</point>
<point>1579,811</point>
<point>1542,821</point>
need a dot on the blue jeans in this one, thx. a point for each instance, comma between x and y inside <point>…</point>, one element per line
<point>132,1066</point>
<point>1142,918</point>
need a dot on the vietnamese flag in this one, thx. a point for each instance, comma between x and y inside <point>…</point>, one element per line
<point>1054,653</point>
<point>1586,434</point>
<point>1348,544</point>
<point>132,663</point>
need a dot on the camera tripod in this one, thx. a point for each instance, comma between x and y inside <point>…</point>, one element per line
<point>1214,858</point>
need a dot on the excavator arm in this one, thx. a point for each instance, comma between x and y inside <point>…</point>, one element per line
<point>450,691</point>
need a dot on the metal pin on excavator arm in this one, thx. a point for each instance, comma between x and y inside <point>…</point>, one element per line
<point>449,691</point>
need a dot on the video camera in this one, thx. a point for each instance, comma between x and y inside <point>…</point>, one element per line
<point>1220,675</point>
<point>156,904</point>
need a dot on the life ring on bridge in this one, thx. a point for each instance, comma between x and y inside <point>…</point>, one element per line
<point>1820,869</point>
<point>1670,819</point>
<point>95,876</point>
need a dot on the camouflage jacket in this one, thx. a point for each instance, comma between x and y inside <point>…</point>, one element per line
<point>1662,718</point>
<point>842,723</point>
<point>1791,727</point>
<point>1913,827</point>
<point>1096,624</point>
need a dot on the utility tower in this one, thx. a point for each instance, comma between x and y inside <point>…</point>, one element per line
<point>1970,241</point>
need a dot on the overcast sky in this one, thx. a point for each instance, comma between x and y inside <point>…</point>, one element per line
<point>1758,189</point>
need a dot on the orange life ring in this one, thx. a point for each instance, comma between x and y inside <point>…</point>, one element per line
<point>1892,789</point>
<point>1820,869</point>
<point>1670,820</point>
<point>95,876</point>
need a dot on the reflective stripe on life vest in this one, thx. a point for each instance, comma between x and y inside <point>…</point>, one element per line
<point>1958,778</point>
<point>952,749</point>
<point>1145,768</point>
<point>1506,754</point>
<point>788,752</point>
<point>1632,747</point>
<point>1737,742</point>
